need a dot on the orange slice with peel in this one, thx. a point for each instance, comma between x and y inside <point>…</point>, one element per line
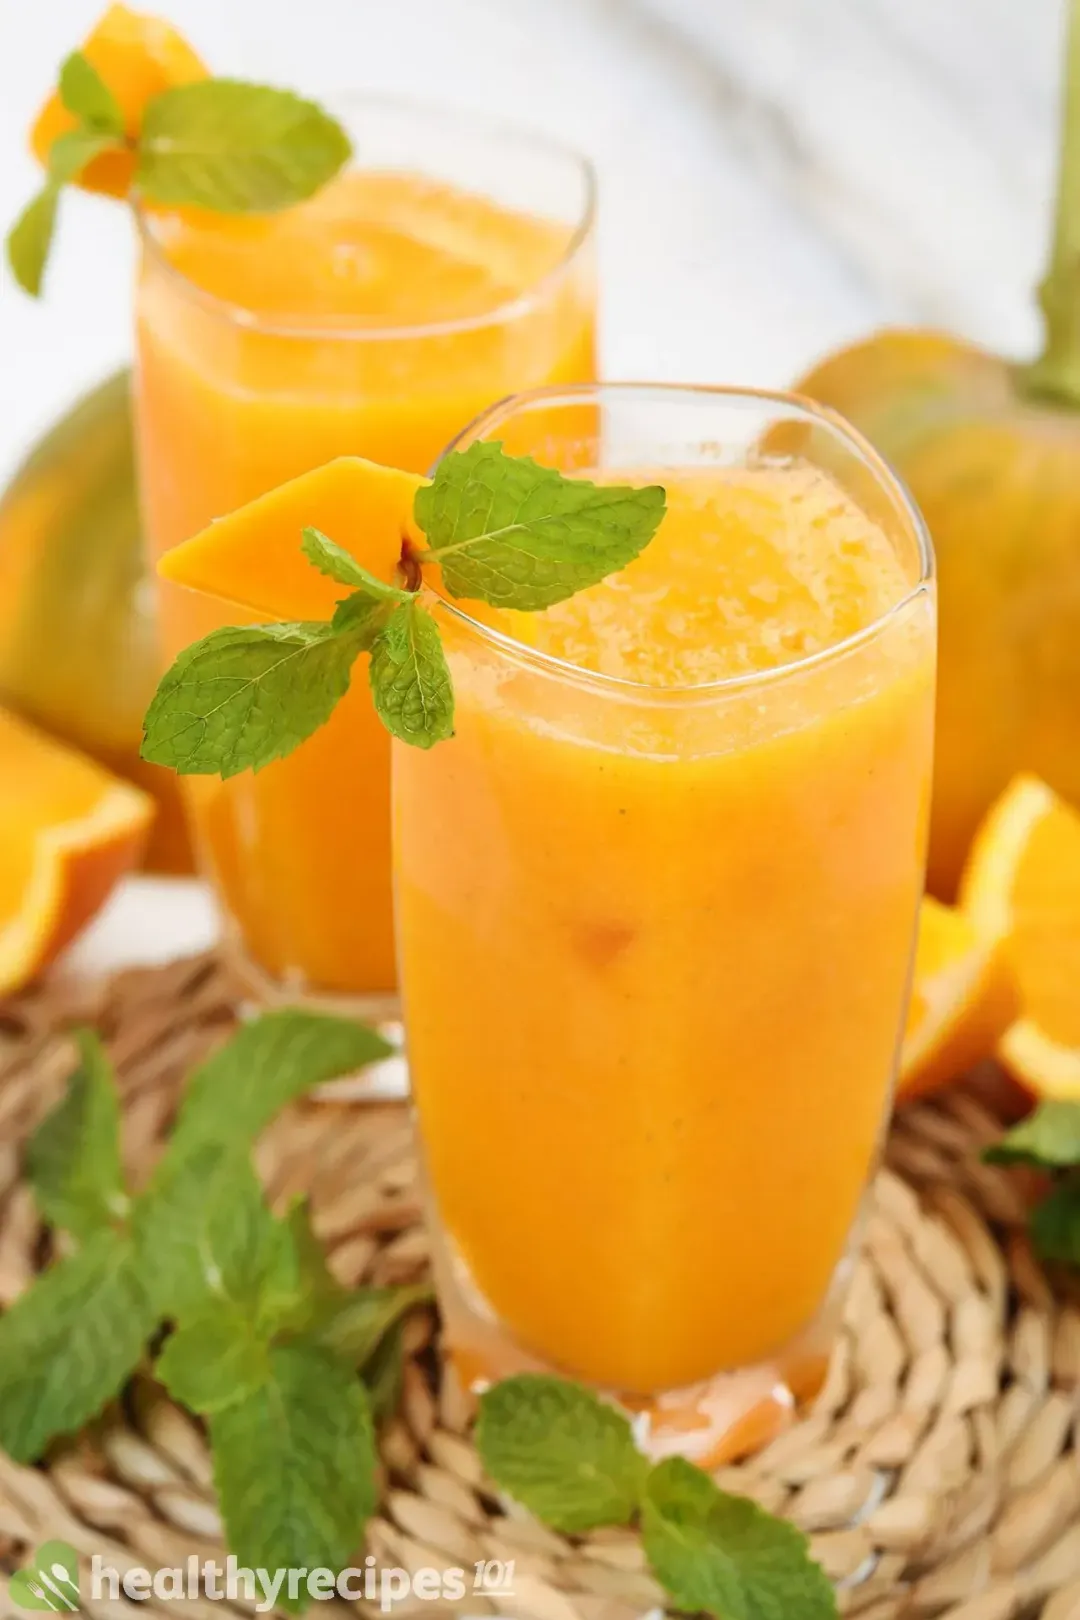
<point>1022,884</point>
<point>138,56</point>
<point>69,830</point>
<point>252,558</point>
<point>963,998</point>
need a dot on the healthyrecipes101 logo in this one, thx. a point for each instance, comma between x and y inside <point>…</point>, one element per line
<point>52,1583</point>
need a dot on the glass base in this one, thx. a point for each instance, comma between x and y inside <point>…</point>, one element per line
<point>728,1416</point>
<point>379,1082</point>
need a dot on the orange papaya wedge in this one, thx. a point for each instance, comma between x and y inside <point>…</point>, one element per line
<point>252,558</point>
<point>138,56</point>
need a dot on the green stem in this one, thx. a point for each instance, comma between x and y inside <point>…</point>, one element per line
<point>1056,374</point>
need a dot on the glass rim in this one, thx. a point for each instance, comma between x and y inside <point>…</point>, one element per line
<point>295,326</point>
<point>643,691</point>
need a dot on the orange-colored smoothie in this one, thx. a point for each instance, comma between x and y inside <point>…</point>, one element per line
<point>375,320</point>
<point>655,938</point>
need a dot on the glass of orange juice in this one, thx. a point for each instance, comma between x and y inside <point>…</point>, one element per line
<point>450,266</point>
<point>656,906</point>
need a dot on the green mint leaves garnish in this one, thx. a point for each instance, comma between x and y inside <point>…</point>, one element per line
<point>74,1159</point>
<point>235,148</point>
<point>1049,1140</point>
<point>290,1370</point>
<point>247,695</point>
<point>88,98</point>
<point>410,678</point>
<point>263,1342</point>
<point>294,1464</point>
<point>218,144</point>
<point>69,1344</point>
<point>562,1453</point>
<point>724,1554</point>
<point>570,1458</point>
<point>501,528</point>
<point>507,531</point>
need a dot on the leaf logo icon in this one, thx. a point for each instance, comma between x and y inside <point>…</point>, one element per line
<point>50,1583</point>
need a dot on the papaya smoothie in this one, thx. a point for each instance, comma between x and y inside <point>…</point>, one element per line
<point>451,267</point>
<point>657,897</point>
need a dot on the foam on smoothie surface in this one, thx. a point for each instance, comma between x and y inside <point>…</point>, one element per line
<point>752,568</point>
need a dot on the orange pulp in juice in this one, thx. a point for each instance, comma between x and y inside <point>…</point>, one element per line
<point>364,322</point>
<point>655,939</point>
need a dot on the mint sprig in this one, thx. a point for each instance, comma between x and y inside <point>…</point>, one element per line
<point>74,1159</point>
<point>87,97</point>
<point>235,148</point>
<point>30,238</point>
<point>501,528</point>
<point>69,1343</point>
<point>1049,1140</point>
<point>507,531</point>
<point>262,1341</point>
<point>723,1554</point>
<point>570,1458</point>
<point>247,695</point>
<point>219,144</point>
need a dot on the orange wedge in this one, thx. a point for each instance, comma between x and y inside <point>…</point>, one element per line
<point>252,558</point>
<point>138,57</point>
<point>1022,884</point>
<point>68,832</point>
<point>962,1000</point>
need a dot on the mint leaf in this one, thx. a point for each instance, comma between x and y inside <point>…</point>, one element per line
<point>518,535</point>
<point>560,1451</point>
<point>235,148</point>
<point>294,1465</point>
<point>68,1345</point>
<point>1055,1224</point>
<point>88,98</point>
<point>384,1374</point>
<point>72,151</point>
<point>302,1290</point>
<point>247,695</point>
<point>364,1318</point>
<point>73,1159</point>
<point>236,1092</point>
<point>726,1555</point>
<point>297,1290</point>
<point>334,561</point>
<point>204,1231</point>
<point>213,1360</point>
<point>410,678</point>
<point>30,239</point>
<point>1049,1138</point>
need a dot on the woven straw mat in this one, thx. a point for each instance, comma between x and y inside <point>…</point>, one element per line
<point>938,1473</point>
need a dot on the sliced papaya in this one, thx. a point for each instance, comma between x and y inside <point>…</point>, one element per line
<point>138,56</point>
<point>252,558</point>
<point>69,831</point>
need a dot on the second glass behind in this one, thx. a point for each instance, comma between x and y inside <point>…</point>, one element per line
<point>451,266</point>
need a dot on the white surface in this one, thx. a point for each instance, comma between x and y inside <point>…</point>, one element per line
<point>776,177</point>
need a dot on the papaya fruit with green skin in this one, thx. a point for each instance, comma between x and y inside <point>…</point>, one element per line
<point>991,453</point>
<point>78,647</point>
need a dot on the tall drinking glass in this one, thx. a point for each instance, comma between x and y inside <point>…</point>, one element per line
<point>452,265</point>
<point>656,905</point>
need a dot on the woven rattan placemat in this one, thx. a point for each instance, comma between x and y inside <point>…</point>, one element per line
<point>938,1473</point>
